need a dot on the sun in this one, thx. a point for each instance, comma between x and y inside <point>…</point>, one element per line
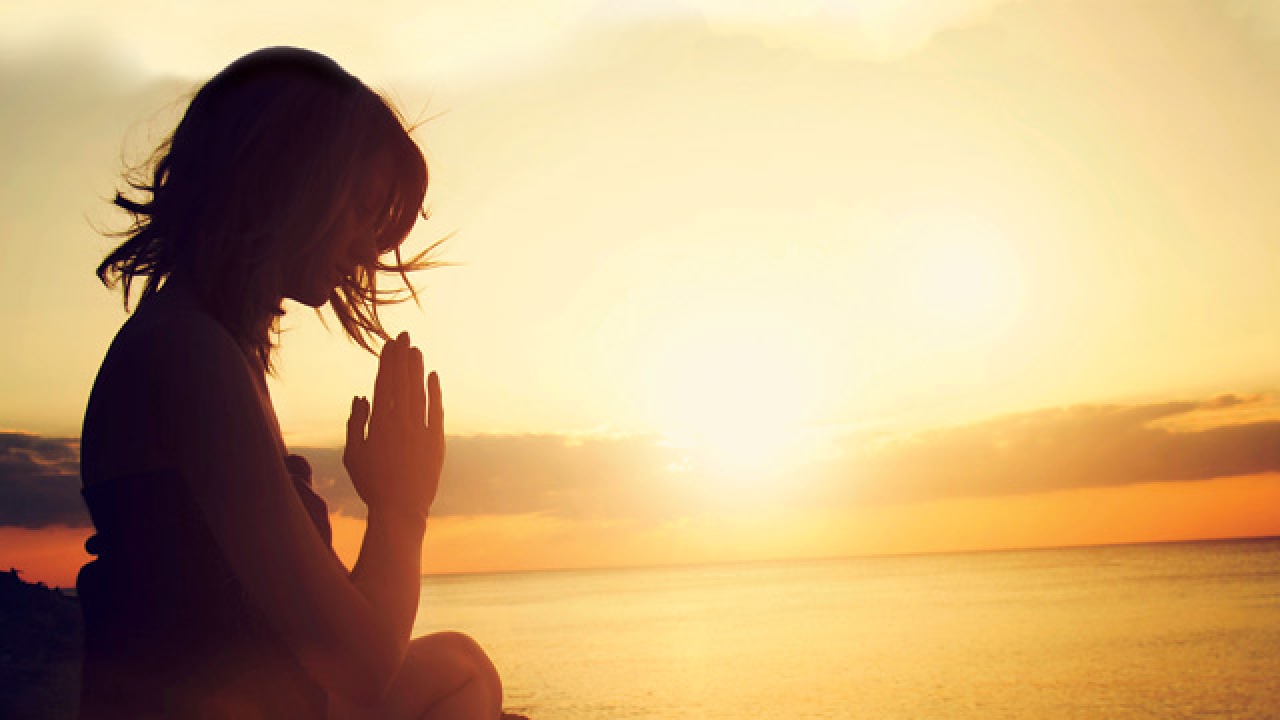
<point>735,391</point>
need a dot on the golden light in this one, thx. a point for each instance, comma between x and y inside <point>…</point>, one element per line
<point>962,284</point>
<point>735,391</point>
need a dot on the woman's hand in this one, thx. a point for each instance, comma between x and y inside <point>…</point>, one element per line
<point>395,468</point>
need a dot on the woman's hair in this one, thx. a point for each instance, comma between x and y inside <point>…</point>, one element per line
<point>254,179</point>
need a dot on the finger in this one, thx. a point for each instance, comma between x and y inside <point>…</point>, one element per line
<point>356,423</point>
<point>382,390</point>
<point>417,392</point>
<point>401,393</point>
<point>435,406</point>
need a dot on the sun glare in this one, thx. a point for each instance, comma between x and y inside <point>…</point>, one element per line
<point>735,392</point>
<point>963,282</point>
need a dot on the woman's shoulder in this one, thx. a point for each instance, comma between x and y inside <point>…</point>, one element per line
<point>169,350</point>
<point>173,333</point>
<point>158,359</point>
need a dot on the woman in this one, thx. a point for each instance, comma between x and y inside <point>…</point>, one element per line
<point>216,592</point>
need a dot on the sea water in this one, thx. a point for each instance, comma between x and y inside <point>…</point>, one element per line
<point>1187,630</point>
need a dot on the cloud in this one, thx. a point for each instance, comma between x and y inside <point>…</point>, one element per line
<point>1063,448</point>
<point>643,478</point>
<point>40,481</point>
<point>389,36</point>
<point>548,474</point>
<point>497,475</point>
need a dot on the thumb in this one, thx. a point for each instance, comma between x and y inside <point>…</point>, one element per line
<point>356,422</point>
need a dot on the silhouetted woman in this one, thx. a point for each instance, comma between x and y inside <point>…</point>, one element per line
<point>216,591</point>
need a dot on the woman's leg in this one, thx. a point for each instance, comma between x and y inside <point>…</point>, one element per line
<point>445,676</point>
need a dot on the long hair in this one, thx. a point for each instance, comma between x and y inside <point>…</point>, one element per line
<point>263,164</point>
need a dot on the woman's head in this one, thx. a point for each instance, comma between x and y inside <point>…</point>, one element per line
<point>286,177</point>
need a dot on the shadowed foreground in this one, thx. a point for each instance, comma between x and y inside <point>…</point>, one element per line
<point>40,641</point>
<point>39,650</point>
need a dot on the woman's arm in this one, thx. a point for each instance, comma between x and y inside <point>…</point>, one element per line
<point>395,467</point>
<point>347,635</point>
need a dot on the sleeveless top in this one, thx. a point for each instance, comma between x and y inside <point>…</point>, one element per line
<point>169,632</point>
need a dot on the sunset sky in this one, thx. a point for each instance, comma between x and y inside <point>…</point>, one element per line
<point>732,280</point>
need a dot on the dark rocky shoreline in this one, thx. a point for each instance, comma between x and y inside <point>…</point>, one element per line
<point>40,637</point>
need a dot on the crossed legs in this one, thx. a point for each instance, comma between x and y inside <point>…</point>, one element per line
<point>445,676</point>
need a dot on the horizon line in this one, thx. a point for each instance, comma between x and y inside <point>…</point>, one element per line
<point>854,556</point>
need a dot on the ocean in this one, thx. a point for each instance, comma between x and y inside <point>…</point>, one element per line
<point>1183,630</point>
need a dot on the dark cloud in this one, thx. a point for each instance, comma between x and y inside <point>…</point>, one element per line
<point>551,474</point>
<point>40,481</point>
<point>642,477</point>
<point>1058,449</point>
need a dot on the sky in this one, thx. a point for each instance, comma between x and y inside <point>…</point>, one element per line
<point>729,281</point>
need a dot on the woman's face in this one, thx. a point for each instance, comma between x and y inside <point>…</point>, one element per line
<point>349,243</point>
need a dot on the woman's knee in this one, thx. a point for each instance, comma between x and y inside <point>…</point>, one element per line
<point>450,641</point>
<point>458,647</point>
<point>463,653</point>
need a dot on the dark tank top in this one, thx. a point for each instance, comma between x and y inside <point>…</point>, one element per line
<point>169,631</point>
